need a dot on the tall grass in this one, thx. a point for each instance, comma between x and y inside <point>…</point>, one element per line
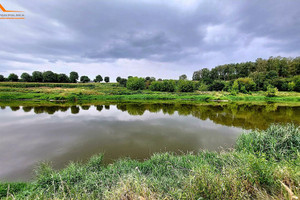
<point>264,165</point>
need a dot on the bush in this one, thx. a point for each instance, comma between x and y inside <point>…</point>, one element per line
<point>271,91</point>
<point>123,82</point>
<point>135,83</point>
<point>297,84</point>
<point>291,86</point>
<point>186,86</point>
<point>163,86</point>
<point>203,87</point>
<point>217,85</point>
<point>2,78</point>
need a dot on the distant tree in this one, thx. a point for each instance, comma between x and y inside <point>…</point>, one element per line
<point>118,79</point>
<point>129,77</point>
<point>49,77</point>
<point>74,77</point>
<point>63,78</point>
<point>106,79</point>
<point>217,85</point>
<point>84,79</point>
<point>98,79</point>
<point>13,77</point>
<point>183,77</point>
<point>135,83</point>
<point>37,76</point>
<point>26,77</point>
<point>148,78</point>
<point>2,78</point>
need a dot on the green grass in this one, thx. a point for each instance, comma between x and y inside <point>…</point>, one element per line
<point>113,91</point>
<point>263,165</point>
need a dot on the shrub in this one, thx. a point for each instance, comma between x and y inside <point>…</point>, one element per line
<point>167,86</point>
<point>217,85</point>
<point>186,86</point>
<point>297,84</point>
<point>135,83</point>
<point>291,86</point>
<point>123,82</point>
<point>271,91</point>
<point>203,87</point>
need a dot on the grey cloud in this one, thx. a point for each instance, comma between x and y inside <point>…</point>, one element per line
<point>160,31</point>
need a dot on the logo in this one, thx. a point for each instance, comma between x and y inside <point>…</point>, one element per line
<point>10,14</point>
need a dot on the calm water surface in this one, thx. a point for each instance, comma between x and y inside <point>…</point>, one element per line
<point>60,134</point>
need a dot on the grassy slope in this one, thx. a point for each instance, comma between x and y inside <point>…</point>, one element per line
<point>264,165</point>
<point>112,91</point>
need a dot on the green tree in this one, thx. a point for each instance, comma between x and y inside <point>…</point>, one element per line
<point>13,77</point>
<point>63,78</point>
<point>37,76</point>
<point>186,86</point>
<point>217,85</point>
<point>106,79</point>
<point>271,91</point>
<point>123,82</point>
<point>85,79</point>
<point>74,77</point>
<point>118,79</point>
<point>2,78</point>
<point>135,83</point>
<point>98,78</point>
<point>291,86</point>
<point>26,77</point>
<point>49,77</point>
<point>183,77</point>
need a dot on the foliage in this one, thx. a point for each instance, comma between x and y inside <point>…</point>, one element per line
<point>2,78</point>
<point>74,77</point>
<point>183,77</point>
<point>106,79</point>
<point>291,86</point>
<point>185,86</point>
<point>13,77</point>
<point>85,79</point>
<point>118,79</point>
<point>63,78</point>
<point>297,83</point>
<point>98,79</point>
<point>49,77</point>
<point>271,91</point>
<point>163,86</point>
<point>123,82</point>
<point>37,76</point>
<point>25,77</point>
<point>217,85</point>
<point>135,83</point>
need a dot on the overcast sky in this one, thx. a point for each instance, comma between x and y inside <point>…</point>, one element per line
<point>160,38</point>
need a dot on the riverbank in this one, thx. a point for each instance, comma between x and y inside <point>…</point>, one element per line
<point>113,91</point>
<point>263,165</point>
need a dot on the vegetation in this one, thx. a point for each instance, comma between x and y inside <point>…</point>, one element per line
<point>135,83</point>
<point>278,72</point>
<point>264,165</point>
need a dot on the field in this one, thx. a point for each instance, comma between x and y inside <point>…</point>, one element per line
<point>263,165</point>
<point>113,91</point>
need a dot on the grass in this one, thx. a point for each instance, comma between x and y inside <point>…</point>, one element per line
<point>113,91</point>
<point>263,165</point>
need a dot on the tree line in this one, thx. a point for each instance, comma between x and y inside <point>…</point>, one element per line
<point>51,77</point>
<point>277,72</point>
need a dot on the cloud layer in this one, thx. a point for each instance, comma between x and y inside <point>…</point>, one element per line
<point>145,37</point>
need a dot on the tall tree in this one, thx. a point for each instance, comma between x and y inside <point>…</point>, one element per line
<point>74,77</point>
<point>106,79</point>
<point>37,76</point>
<point>26,77</point>
<point>49,77</point>
<point>13,77</point>
<point>63,78</point>
<point>2,78</point>
<point>84,79</point>
<point>98,78</point>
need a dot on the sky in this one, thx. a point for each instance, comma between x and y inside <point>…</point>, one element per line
<point>159,38</point>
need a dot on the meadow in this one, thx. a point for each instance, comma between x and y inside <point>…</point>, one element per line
<point>113,91</point>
